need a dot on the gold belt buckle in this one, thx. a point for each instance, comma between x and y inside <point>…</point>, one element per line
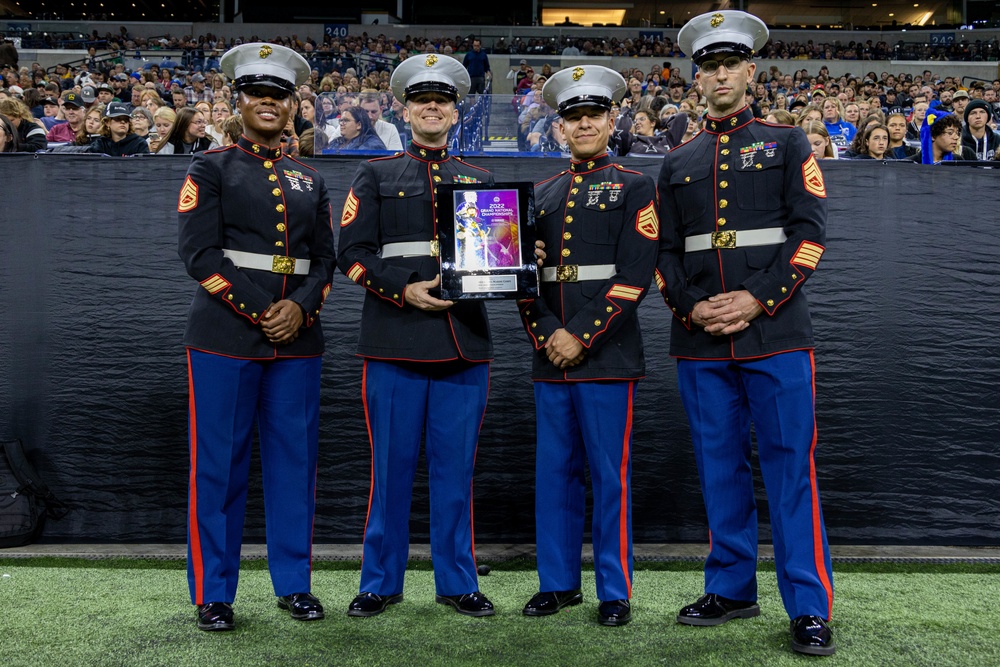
<point>435,248</point>
<point>723,239</point>
<point>282,264</point>
<point>567,273</point>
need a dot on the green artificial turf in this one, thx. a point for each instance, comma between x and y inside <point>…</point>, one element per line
<point>128,612</point>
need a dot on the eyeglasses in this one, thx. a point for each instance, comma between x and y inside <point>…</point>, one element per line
<point>710,67</point>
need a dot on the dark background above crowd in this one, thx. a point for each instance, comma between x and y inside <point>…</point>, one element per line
<point>850,14</point>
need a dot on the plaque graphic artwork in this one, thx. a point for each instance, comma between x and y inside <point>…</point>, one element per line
<point>486,237</point>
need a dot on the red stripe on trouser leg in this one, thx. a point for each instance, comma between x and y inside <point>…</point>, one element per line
<point>817,520</point>
<point>194,536</point>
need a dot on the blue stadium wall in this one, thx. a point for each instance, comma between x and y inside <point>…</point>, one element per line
<point>93,300</point>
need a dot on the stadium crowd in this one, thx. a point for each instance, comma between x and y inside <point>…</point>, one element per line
<point>185,106</point>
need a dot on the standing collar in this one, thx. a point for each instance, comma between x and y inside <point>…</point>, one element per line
<point>730,122</point>
<point>259,150</point>
<point>598,162</point>
<point>427,154</point>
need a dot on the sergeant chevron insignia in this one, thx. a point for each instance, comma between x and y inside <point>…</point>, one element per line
<point>812,177</point>
<point>350,209</point>
<point>189,196</point>
<point>647,223</point>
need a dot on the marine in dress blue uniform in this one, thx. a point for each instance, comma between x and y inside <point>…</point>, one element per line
<point>426,371</point>
<point>743,206</point>
<point>255,231</point>
<point>600,228</point>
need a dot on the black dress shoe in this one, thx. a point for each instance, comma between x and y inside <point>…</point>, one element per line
<point>304,606</point>
<point>614,612</point>
<point>215,616</point>
<point>714,609</point>
<point>470,604</point>
<point>549,602</point>
<point>370,604</point>
<point>811,635</point>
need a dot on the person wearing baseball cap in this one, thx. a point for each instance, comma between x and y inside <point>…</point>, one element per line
<point>74,109</point>
<point>417,347</point>
<point>744,207</point>
<point>117,138</point>
<point>588,353</point>
<point>255,233</point>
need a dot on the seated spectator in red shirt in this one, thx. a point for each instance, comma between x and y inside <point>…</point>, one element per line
<point>116,137</point>
<point>73,110</point>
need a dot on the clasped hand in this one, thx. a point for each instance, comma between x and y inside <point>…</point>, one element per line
<point>726,314</point>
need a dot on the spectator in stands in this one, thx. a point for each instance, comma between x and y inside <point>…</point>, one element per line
<point>898,149</point>
<point>941,140</point>
<point>163,122</point>
<point>977,135</point>
<point>142,122</point>
<point>524,84</point>
<point>105,93</point>
<point>220,112</point>
<point>307,109</point>
<point>196,92</point>
<point>841,131</point>
<point>477,63</point>
<point>819,139</point>
<point>519,75</point>
<point>152,100</point>
<point>356,132</point>
<point>30,132</point>
<point>116,137</point>
<point>178,99</point>
<point>781,117</point>
<point>852,114</point>
<point>232,129</point>
<point>50,113</point>
<point>93,117</point>
<point>643,139</point>
<point>959,101</point>
<point>299,123</point>
<point>694,125</point>
<point>386,132</point>
<point>874,143</point>
<point>327,114</point>
<point>8,136</point>
<point>810,112</point>
<point>73,110</point>
<point>187,135</point>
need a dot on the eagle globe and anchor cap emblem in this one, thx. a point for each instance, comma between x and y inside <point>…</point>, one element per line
<point>717,20</point>
<point>265,51</point>
<point>431,59</point>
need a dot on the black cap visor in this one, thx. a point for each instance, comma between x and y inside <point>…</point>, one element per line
<point>585,101</point>
<point>721,48</point>
<point>264,80</point>
<point>431,87</point>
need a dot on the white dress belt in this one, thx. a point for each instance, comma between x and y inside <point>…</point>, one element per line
<point>571,273</point>
<point>273,263</point>
<point>735,239</point>
<point>410,249</point>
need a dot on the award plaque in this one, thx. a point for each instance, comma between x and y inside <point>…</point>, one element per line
<point>486,235</point>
